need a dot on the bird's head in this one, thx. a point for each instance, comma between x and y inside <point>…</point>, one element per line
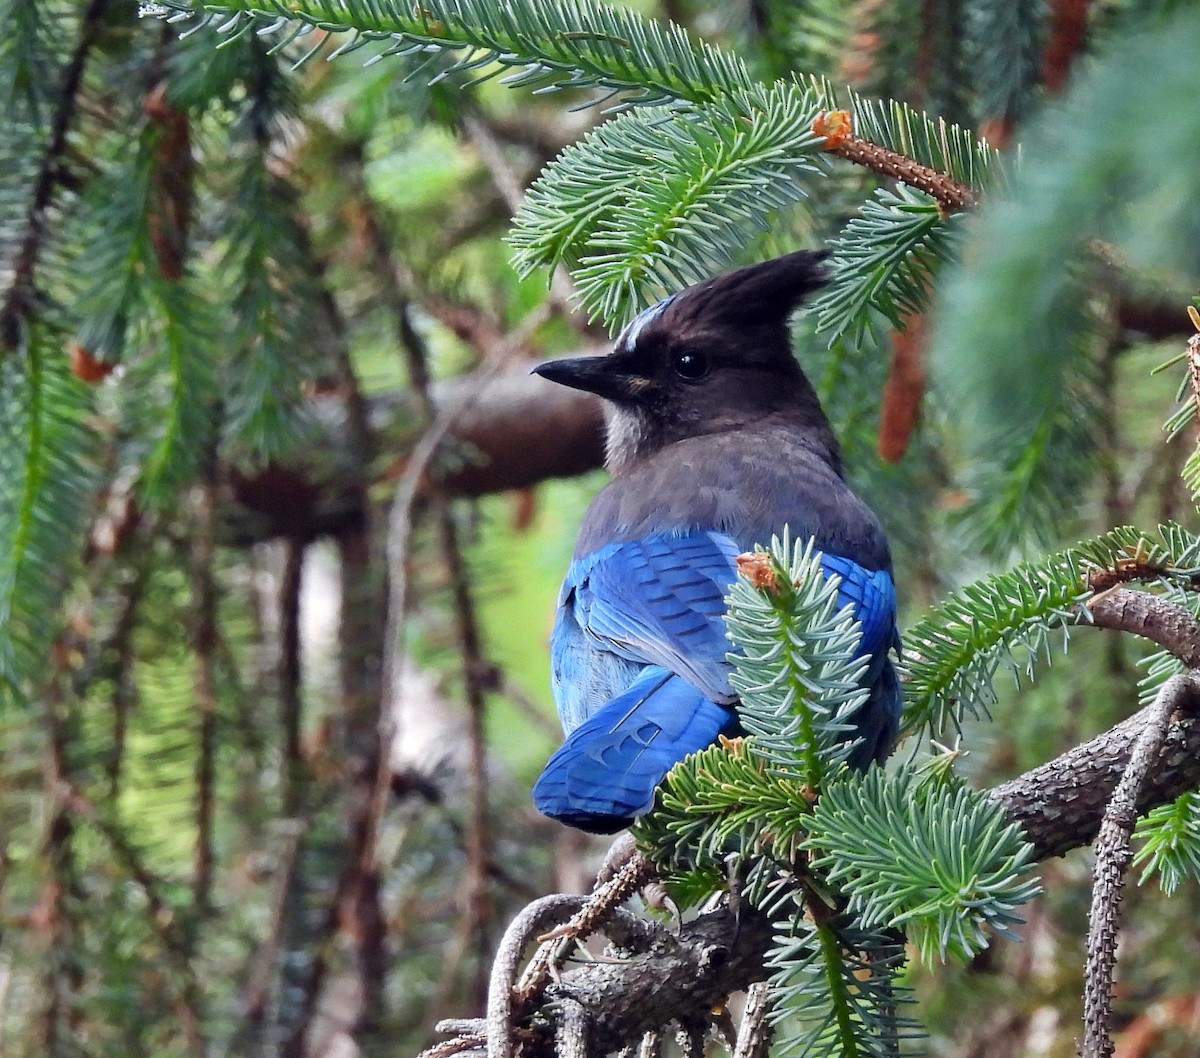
<point>712,358</point>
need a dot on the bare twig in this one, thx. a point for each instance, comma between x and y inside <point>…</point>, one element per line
<point>837,128</point>
<point>204,643</point>
<point>474,665</point>
<point>586,921</point>
<point>461,1044</point>
<point>1113,853</point>
<point>754,1033</point>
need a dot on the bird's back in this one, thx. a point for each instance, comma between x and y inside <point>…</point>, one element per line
<point>747,484</point>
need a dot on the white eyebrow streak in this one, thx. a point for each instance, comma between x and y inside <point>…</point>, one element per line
<point>629,336</point>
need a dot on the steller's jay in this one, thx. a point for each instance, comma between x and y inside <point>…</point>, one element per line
<point>716,441</point>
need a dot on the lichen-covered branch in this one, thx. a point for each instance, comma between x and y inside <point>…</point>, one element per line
<point>1060,805</point>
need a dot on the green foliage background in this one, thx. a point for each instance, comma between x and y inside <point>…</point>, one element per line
<point>227,299</point>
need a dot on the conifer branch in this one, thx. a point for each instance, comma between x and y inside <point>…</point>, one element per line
<point>1058,805</point>
<point>19,297</point>
<point>570,44</point>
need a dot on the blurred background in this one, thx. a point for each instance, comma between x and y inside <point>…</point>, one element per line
<point>284,517</point>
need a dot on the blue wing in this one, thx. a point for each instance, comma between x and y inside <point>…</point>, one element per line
<point>655,601</point>
<point>641,677</point>
<point>605,773</point>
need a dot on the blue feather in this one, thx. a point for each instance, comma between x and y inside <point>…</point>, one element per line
<point>641,675</point>
<point>606,771</point>
<point>718,441</point>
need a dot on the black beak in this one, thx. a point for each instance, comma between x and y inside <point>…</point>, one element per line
<point>592,374</point>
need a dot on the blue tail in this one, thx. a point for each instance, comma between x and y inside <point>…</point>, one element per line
<point>605,773</point>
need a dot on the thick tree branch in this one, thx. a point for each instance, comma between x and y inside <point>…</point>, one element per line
<point>510,430</point>
<point>683,975</point>
<point>1061,803</point>
<point>1166,623</point>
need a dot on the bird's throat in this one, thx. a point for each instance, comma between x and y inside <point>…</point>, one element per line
<point>628,436</point>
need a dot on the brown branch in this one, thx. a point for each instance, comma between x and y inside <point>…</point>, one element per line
<point>204,648</point>
<point>614,1004</point>
<point>836,126</point>
<point>949,192</point>
<point>1166,623</point>
<point>1060,803</point>
<point>904,390</point>
<point>1064,42</point>
<point>21,292</point>
<point>509,430</point>
<point>684,975</point>
<point>1158,320</point>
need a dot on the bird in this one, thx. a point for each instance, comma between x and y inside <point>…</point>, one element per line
<point>716,440</point>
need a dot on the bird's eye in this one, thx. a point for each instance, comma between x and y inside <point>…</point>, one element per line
<point>691,366</point>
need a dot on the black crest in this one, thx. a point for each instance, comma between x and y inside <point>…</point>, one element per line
<point>756,299</point>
